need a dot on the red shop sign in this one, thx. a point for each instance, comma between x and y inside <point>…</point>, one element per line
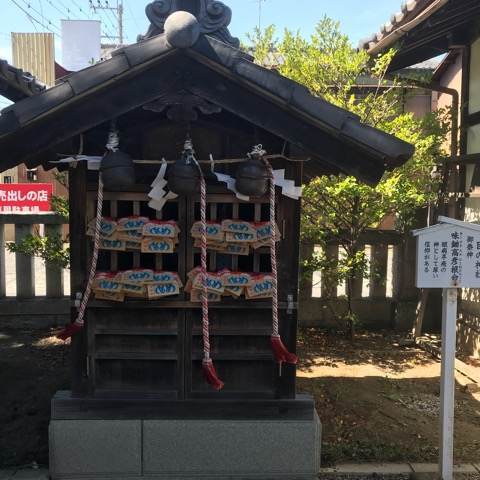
<point>25,197</point>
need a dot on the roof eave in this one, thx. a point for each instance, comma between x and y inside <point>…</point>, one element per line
<point>378,150</point>
<point>382,42</point>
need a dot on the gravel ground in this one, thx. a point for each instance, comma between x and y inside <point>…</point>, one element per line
<point>413,476</point>
<point>375,476</point>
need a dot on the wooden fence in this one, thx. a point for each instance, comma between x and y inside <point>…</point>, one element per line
<point>384,301</point>
<point>387,299</point>
<point>27,304</point>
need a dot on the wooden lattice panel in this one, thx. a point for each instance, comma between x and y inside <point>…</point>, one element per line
<point>155,348</point>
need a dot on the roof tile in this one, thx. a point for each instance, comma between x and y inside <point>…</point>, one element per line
<point>146,50</point>
<point>17,84</point>
<point>29,108</point>
<point>408,10</point>
<point>104,71</point>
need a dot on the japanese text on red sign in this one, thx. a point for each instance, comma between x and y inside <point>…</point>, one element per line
<point>25,197</point>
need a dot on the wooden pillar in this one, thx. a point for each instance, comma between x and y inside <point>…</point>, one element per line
<point>329,290</point>
<point>78,264</point>
<point>306,280</point>
<point>357,287</point>
<point>54,272</point>
<point>25,269</point>
<point>3,283</point>
<point>378,271</point>
<point>405,292</point>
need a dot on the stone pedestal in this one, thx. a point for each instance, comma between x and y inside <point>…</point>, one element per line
<point>271,444</point>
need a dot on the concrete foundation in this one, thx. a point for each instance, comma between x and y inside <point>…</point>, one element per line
<point>173,449</point>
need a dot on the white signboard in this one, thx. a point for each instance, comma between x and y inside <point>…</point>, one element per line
<point>448,255</point>
<point>81,43</point>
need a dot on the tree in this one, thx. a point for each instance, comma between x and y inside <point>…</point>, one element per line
<point>347,208</point>
<point>338,208</point>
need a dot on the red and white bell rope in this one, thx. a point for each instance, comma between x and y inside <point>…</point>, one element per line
<point>207,364</point>
<point>280,351</point>
<point>79,323</point>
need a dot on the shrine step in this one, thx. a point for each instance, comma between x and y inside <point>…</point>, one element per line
<point>185,449</point>
<point>124,406</point>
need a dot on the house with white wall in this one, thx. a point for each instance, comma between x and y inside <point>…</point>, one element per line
<point>425,29</point>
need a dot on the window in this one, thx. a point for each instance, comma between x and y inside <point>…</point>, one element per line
<point>32,175</point>
<point>7,179</point>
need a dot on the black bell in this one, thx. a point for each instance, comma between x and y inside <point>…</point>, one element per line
<point>184,176</point>
<point>252,178</point>
<point>118,170</point>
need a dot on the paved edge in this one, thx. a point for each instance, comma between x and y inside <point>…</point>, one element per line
<point>344,469</point>
<point>395,468</point>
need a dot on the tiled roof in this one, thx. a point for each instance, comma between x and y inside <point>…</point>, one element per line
<point>15,84</point>
<point>400,23</point>
<point>73,98</point>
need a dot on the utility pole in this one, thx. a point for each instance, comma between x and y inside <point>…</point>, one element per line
<point>118,11</point>
<point>260,2</point>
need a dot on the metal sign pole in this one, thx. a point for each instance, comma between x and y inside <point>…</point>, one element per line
<point>447,392</point>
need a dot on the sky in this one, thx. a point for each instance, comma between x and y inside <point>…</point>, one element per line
<point>358,18</point>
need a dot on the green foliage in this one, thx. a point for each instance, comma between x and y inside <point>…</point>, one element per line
<point>411,186</point>
<point>60,206</point>
<point>61,177</point>
<point>330,67</point>
<point>50,248</point>
<point>339,208</point>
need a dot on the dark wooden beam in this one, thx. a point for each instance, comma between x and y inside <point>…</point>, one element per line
<point>377,237</point>
<point>467,159</point>
<point>447,28</point>
<point>40,306</point>
<point>32,219</point>
<point>473,119</point>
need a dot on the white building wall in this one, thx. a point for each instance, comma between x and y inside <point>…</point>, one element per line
<point>474,104</point>
<point>11,173</point>
<point>468,327</point>
<point>472,204</point>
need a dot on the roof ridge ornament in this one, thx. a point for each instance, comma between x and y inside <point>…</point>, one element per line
<point>213,16</point>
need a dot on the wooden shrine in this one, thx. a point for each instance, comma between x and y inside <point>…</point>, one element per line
<point>139,404</point>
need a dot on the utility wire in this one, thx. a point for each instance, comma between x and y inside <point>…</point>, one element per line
<point>40,5</point>
<point>66,7</point>
<point>127,3</point>
<point>100,10</point>
<point>30,7</point>
<point>106,16</point>
<point>110,11</point>
<point>34,19</point>
<point>80,8</point>
<point>61,12</point>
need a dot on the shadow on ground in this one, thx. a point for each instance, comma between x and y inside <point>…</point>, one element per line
<point>317,348</point>
<point>33,366</point>
<point>380,402</point>
<point>391,415</point>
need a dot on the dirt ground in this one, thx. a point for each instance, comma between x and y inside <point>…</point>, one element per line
<point>33,366</point>
<point>377,401</point>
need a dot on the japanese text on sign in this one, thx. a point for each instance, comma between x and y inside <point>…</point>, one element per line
<point>25,197</point>
<point>449,256</point>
